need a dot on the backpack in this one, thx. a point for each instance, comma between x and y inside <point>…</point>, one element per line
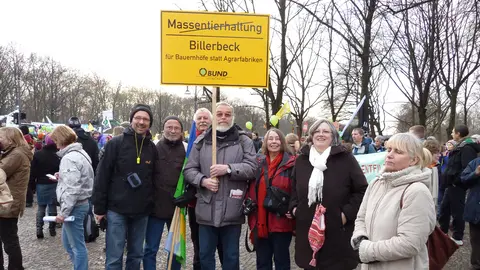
<point>90,228</point>
<point>6,198</point>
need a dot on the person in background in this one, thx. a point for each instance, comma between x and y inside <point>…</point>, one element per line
<point>89,145</point>
<point>449,146</point>
<point>31,144</point>
<point>379,140</point>
<point>74,189</point>
<point>15,162</point>
<point>274,230</point>
<point>433,146</point>
<point>293,142</point>
<point>418,131</point>
<point>389,236</point>
<point>471,178</point>
<point>117,131</point>
<point>257,142</point>
<point>45,162</point>
<point>326,176</point>
<point>360,145</point>
<point>453,203</point>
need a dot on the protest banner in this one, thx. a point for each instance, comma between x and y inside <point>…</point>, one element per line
<point>371,164</point>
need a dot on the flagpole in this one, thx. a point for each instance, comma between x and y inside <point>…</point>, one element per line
<point>175,232</point>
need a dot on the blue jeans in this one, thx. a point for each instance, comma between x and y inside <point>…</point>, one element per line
<point>73,238</point>
<point>121,228</point>
<point>152,242</point>
<point>229,236</point>
<point>276,245</point>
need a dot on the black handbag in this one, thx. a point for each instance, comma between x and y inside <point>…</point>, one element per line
<point>277,200</point>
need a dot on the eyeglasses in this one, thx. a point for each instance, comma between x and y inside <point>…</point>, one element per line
<point>138,119</point>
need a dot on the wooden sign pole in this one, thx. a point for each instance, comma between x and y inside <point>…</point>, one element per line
<point>214,126</point>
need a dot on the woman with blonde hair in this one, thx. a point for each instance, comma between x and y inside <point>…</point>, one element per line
<point>15,161</point>
<point>75,184</point>
<point>397,213</point>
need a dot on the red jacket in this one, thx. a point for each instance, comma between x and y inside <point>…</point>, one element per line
<point>281,179</point>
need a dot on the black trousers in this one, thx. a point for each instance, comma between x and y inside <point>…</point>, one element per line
<point>9,241</point>
<point>192,221</point>
<point>453,204</point>
<point>475,242</point>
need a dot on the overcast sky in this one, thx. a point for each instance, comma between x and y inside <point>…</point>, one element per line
<point>119,40</point>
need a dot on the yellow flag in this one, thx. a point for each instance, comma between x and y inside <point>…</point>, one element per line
<point>285,109</point>
<point>90,127</point>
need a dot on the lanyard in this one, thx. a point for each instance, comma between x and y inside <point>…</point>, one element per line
<point>136,148</point>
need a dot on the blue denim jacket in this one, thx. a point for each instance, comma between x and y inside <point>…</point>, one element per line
<point>472,206</point>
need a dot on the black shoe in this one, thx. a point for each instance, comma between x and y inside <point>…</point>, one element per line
<point>29,205</point>
<point>52,232</point>
<point>40,234</point>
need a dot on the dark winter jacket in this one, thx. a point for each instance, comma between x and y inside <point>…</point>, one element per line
<point>343,189</point>
<point>235,149</point>
<point>470,179</point>
<point>257,143</point>
<point>458,160</point>
<point>44,162</point>
<point>281,179</point>
<point>171,157</point>
<point>89,145</point>
<point>111,189</point>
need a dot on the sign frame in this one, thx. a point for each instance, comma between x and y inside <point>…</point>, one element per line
<point>219,83</point>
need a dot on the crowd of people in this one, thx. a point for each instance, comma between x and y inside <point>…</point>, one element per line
<point>310,190</point>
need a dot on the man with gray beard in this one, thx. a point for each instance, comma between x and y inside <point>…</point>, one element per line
<point>221,187</point>
<point>171,154</point>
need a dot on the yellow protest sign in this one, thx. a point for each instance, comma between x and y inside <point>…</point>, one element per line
<point>214,48</point>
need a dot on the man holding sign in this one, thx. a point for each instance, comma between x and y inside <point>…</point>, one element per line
<point>221,187</point>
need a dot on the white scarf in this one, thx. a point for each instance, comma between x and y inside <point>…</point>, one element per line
<point>315,184</point>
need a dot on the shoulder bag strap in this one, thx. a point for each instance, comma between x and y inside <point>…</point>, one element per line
<point>403,194</point>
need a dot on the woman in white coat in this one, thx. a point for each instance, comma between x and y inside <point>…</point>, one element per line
<point>388,235</point>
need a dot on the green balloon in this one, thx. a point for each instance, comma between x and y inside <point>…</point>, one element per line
<point>274,120</point>
<point>249,125</point>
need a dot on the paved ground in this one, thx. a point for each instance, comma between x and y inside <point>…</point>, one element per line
<point>48,253</point>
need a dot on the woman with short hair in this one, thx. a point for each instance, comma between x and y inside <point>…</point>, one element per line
<point>397,213</point>
<point>45,162</point>
<point>327,190</point>
<point>15,161</point>
<point>75,184</point>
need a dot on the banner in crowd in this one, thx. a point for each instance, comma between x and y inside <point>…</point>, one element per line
<point>371,164</point>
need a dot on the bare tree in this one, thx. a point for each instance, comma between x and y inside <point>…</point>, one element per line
<point>458,53</point>
<point>413,63</point>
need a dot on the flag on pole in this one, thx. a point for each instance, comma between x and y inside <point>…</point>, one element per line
<point>179,221</point>
<point>285,109</point>
<point>106,124</point>
<point>90,127</point>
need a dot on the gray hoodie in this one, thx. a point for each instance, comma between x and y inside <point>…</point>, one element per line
<point>75,183</point>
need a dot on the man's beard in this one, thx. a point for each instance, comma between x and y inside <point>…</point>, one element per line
<point>224,128</point>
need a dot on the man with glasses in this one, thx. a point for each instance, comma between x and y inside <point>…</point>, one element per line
<point>171,152</point>
<point>221,187</point>
<point>123,189</point>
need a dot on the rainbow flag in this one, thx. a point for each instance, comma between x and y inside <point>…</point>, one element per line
<point>179,221</point>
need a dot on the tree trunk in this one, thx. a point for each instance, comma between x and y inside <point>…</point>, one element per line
<point>453,112</point>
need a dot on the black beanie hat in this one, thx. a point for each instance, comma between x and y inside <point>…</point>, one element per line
<point>172,117</point>
<point>142,107</point>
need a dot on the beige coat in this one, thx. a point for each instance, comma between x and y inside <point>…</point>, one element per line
<point>16,164</point>
<point>396,237</point>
